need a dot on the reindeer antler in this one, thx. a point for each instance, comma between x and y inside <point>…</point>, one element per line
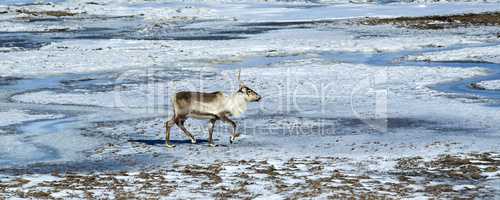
<point>238,77</point>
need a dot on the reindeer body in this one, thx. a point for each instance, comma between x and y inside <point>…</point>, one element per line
<point>200,105</point>
<point>212,106</point>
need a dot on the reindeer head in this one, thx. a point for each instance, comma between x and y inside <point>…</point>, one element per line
<point>248,93</point>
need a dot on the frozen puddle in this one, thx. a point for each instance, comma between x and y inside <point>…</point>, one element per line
<point>14,116</point>
<point>478,87</point>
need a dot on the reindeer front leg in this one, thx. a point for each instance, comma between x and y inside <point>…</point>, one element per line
<point>234,135</point>
<point>180,124</point>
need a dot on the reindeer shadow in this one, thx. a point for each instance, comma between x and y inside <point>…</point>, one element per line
<point>162,142</point>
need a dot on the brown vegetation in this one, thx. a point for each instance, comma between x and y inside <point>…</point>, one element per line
<point>439,22</point>
<point>51,13</point>
<point>296,178</point>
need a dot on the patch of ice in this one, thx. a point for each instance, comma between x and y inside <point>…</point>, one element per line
<point>463,187</point>
<point>267,12</point>
<point>39,178</point>
<point>478,54</point>
<point>15,116</point>
<point>117,54</point>
<point>491,175</point>
<point>274,10</point>
<point>7,49</point>
<point>488,85</point>
<point>66,193</point>
<point>157,95</point>
<point>8,26</point>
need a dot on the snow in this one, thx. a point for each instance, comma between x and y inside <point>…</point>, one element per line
<point>7,26</point>
<point>406,88</point>
<point>479,54</point>
<point>344,95</point>
<point>254,11</point>
<point>489,85</point>
<point>278,180</point>
<point>15,116</point>
<point>38,178</point>
<point>109,99</point>
<point>118,54</point>
<point>408,78</point>
<point>121,54</point>
<point>343,11</point>
<point>463,187</point>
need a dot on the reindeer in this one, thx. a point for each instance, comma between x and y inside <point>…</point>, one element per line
<point>212,106</point>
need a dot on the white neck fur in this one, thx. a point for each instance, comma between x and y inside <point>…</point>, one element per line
<point>236,104</point>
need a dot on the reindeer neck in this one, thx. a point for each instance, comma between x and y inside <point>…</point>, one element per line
<point>236,104</point>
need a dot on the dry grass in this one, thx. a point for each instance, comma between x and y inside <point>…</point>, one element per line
<point>53,13</point>
<point>296,178</point>
<point>439,22</point>
<point>447,170</point>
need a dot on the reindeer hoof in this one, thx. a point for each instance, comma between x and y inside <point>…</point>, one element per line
<point>170,145</point>
<point>193,141</point>
<point>232,139</point>
<point>212,145</point>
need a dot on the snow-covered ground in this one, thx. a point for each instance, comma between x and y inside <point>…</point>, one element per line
<point>14,116</point>
<point>476,54</point>
<point>317,177</point>
<point>118,54</point>
<point>85,90</point>
<point>489,85</point>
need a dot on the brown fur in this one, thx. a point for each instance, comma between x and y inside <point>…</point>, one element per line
<point>182,97</point>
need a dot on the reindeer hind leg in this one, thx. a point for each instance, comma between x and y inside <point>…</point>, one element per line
<point>168,126</point>
<point>211,124</point>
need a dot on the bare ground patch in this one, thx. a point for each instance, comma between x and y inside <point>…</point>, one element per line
<point>447,176</point>
<point>439,22</point>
